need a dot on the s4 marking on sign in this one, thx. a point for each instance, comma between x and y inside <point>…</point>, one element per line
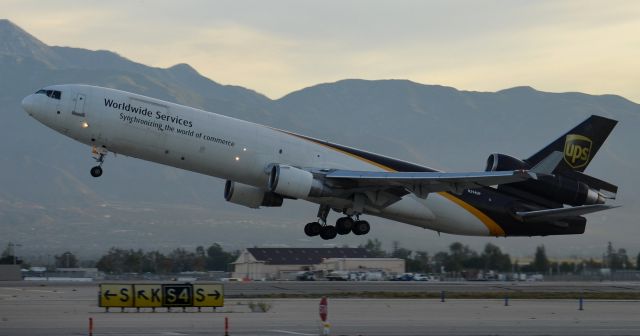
<point>158,295</point>
<point>177,295</point>
<point>116,295</point>
<point>208,296</point>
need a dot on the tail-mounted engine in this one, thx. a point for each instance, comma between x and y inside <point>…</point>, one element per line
<point>503,162</point>
<point>563,190</point>
<point>250,196</point>
<point>557,188</point>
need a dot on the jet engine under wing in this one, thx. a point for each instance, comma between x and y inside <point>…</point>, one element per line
<point>423,183</point>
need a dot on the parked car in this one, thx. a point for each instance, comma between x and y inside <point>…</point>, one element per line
<point>231,279</point>
<point>535,277</point>
<point>338,276</point>
<point>374,276</point>
<point>306,276</point>
<point>404,277</point>
<point>421,277</point>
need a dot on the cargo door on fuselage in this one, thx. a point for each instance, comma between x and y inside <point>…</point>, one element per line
<point>78,105</point>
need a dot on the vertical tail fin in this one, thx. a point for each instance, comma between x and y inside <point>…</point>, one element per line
<point>579,145</point>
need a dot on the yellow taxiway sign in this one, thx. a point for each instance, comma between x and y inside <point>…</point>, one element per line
<point>161,295</point>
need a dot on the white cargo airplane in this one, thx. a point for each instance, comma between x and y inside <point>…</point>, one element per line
<point>263,166</point>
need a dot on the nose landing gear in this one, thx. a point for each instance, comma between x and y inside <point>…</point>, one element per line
<point>96,171</point>
<point>98,155</point>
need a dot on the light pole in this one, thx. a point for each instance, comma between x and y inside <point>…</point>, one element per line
<point>12,247</point>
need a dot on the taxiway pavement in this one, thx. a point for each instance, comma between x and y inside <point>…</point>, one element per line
<point>66,309</point>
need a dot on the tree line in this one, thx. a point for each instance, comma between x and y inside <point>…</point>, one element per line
<point>119,261</point>
<point>214,258</point>
<point>460,258</point>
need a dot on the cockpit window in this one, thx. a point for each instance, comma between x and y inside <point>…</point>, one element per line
<point>51,93</point>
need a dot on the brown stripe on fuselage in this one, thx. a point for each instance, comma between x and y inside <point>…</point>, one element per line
<point>394,165</point>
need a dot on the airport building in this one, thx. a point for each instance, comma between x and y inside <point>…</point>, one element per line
<point>10,272</point>
<point>286,263</point>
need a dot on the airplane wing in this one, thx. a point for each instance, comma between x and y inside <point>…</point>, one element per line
<point>550,214</point>
<point>423,183</point>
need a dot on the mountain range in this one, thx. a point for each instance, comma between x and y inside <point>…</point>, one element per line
<point>49,203</point>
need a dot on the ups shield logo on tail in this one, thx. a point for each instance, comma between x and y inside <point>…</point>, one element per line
<point>577,150</point>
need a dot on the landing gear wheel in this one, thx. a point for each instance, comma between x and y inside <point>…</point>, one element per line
<point>96,171</point>
<point>99,154</point>
<point>344,225</point>
<point>328,232</point>
<point>361,228</point>
<point>312,229</point>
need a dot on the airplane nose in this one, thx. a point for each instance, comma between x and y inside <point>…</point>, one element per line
<point>28,104</point>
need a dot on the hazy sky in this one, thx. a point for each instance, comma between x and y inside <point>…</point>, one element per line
<point>276,47</point>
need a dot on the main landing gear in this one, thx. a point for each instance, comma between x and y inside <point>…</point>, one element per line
<point>98,155</point>
<point>344,225</point>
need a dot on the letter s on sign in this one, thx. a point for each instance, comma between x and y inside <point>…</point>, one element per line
<point>171,295</point>
<point>200,295</point>
<point>124,292</point>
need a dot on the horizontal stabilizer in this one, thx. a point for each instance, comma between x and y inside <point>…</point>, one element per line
<point>593,182</point>
<point>559,213</point>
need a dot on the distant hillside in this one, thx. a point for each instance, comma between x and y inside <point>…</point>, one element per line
<point>49,202</point>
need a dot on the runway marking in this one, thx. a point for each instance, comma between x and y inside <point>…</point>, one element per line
<point>508,288</point>
<point>31,290</point>
<point>42,291</point>
<point>629,288</point>
<point>162,333</point>
<point>292,332</point>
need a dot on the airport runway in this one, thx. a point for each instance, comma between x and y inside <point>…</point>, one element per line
<point>248,289</point>
<point>65,310</point>
<point>274,288</point>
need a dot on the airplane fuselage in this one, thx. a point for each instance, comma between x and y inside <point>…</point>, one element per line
<point>241,151</point>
